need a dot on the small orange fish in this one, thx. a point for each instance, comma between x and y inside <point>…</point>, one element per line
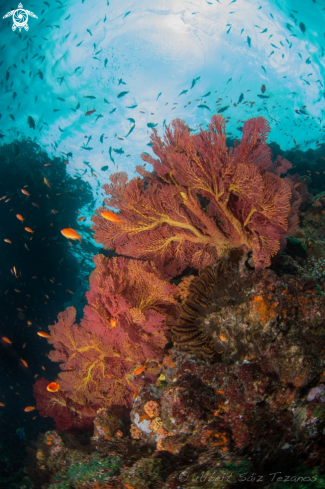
<point>47,182</point>
<point>220,393</point>
<point>26,247</point>
<point>7,241</point>
<point>43,334</point>
<point>81,218</point>
<point>43,368</point>
<point>20,217</point>
<point>24,345</point>
<point>29,230</point>
<point>25,192</point>
<point>47,164</point>
<point>28,409</point>
<point>319,204</point>
<point>66,162</point>
<point>29,323</point>
<point>110,216</point>
<point>24,363</point>
<point>139,370</point>
<point>6,340</point>
<point>48,443</point>
<point>113,322</point>
<point>54,211</point>
<point>136,393</point>
<point>71,234</point>
<point>1,404</point>
<point>144,416</point>
<point>109,376</point>
<point>53,387</point>
<point>17,290</point>
<point>222,337</point>
<point>46,296</point>
<point>7,200</point>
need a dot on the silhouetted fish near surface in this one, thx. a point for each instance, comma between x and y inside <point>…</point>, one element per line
<point>184,91</point>
<point>89,112</point>
<point>241,98</point>
<point>132,128</point>
<point>110,154</point>
<point>194,81</point>
<point>223,109</point>
<point>263,89</point>
<point>31,122</point>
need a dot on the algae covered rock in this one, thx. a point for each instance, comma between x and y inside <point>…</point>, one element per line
<point>147,473</point>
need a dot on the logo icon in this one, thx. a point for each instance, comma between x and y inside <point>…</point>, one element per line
<point>20,18</point>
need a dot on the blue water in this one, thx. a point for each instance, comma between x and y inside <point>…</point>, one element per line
<point>162,55</point>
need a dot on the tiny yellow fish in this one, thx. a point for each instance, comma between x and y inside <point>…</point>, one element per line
<point>47,182</point>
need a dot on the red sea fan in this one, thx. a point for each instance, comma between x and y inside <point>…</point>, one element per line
<point>57,405</point>
<point>129,302</point>
<point>123,329</point>
<point>201,200</point>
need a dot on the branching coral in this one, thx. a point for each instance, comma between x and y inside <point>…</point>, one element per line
<point>202,199</point>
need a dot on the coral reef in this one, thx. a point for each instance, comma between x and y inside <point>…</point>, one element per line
<point>117,345</point>
<point>66,414</point>
<point>202,200</point>
<point>229,405</point>
<point>238,399</point>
